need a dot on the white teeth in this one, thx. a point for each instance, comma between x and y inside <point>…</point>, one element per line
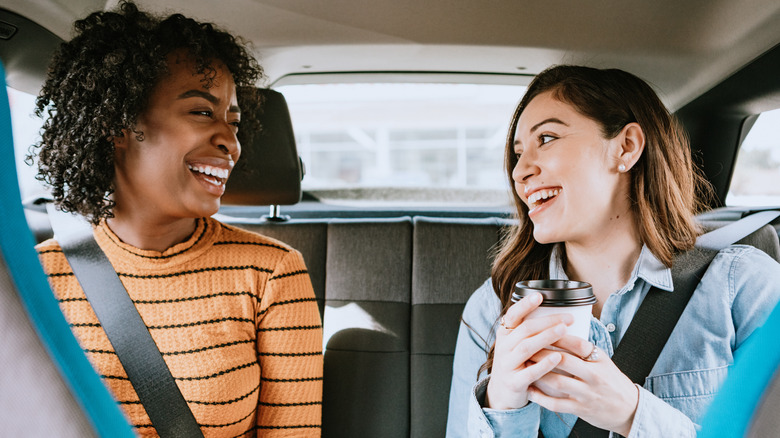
<point>542,194</point>
<point>209,170</point>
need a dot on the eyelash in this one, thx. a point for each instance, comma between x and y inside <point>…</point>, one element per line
<point>543,136</point>
<point>210,114</point>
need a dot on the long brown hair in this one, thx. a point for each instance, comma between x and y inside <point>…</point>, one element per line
<point>664,181</point>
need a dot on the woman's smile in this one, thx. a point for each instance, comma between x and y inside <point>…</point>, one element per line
<point>211,173</point>
<point>540,199</point>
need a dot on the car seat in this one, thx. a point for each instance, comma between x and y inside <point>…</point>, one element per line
<point>47,386</point>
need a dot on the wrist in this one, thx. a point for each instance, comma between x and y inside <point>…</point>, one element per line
<point>626,429</point>
<point>497,402</point>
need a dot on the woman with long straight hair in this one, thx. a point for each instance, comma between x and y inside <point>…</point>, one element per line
<point>606,193</point>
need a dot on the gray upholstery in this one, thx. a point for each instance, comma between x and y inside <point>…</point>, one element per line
<point>366,325</point>
<point>34,399</point>
<point>451,259</point>
<point>766,422</point>
<point>765,239</point>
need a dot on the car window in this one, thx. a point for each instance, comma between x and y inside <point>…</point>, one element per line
<point>26,130</point>
<point>403,143</point>
<point>756,179</point>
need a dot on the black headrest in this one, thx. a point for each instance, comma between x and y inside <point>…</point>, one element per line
<point>270,170</point>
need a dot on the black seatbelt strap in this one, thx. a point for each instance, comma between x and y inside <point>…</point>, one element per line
<point>659,312</point>
<point>127,332</point>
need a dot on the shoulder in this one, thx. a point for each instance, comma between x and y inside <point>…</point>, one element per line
<point>230,234</point>
<point>52,258</point>
<point>483,306</point>
<point>745,260</point>
<point>251,245</point>
<point>47,246</point>
<point>746,270</point>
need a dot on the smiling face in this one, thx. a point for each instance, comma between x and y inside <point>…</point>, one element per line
<point>567,173</point>
<point>179,168</point>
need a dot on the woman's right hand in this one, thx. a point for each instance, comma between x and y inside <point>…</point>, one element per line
<point>517,341</point>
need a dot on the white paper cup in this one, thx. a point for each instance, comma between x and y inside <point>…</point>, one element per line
<point>581,314</point>
<point>561,296</point>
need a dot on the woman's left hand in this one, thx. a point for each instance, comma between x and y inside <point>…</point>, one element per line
<point>597,391</point>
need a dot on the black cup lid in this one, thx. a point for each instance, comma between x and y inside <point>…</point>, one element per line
<point>556,292</point>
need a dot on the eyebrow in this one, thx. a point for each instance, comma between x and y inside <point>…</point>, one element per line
<point>550,120</point>
<point>540,124</point>
<point>208,96</point>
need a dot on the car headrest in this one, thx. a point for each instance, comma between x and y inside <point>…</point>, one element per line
<point>269,171</point>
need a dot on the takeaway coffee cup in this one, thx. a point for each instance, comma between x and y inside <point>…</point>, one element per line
<point>561,296</point>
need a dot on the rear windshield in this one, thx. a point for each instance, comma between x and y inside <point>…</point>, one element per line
<point>756,179</point>
<point>26,131</point>
<point>403,143</point>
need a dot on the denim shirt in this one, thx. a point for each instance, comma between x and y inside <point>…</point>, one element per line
<point>739,289</point>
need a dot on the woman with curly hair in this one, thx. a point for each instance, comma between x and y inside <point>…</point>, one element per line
<point>141,133</point>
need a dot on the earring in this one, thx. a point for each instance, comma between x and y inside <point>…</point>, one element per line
<point>621,168</point>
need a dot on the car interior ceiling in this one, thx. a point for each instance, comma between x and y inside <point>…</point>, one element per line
<point>407,270</point>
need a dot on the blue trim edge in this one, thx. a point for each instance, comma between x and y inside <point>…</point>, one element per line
<point>17,245</point>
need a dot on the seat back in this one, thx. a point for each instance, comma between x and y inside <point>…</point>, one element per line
<point>765,238</point>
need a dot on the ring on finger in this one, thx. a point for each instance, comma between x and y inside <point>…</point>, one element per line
<point>593,356</point>
<point>502,322</point>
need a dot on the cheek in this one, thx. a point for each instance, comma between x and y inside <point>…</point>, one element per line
<point>237,155</point>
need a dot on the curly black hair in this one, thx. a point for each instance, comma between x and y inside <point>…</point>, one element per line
<point>100,82</point>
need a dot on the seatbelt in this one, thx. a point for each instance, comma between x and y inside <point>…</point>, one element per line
<point>659,312</point>
<point>127,332</point>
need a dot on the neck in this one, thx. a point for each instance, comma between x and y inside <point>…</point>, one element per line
<point>148,234</point>
<point>605,261</point>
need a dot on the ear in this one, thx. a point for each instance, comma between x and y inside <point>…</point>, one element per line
<point>120,142</point>
<point>631,145</point>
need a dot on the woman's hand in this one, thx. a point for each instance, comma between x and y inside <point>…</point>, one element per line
<point>597,391</point>
<point>518,340</point>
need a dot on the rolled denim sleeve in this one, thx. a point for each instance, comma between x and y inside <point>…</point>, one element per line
<point>655,418</point>
<point>492,423</point>
<point>475,337</point>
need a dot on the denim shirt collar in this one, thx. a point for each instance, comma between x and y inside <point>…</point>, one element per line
<point>647,267</point>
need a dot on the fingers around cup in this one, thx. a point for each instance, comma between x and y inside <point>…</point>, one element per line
<point>575,345</point>
<point>533,326</point>
<point>519,310</point>
<point>518,348</point>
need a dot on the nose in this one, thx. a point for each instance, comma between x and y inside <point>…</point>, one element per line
<point>225,140</point>
<point>525,168</point>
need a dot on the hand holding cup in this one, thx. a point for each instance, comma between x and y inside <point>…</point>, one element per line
<point>518,340</point>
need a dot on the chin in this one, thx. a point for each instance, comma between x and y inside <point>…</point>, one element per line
<point>205,210</point>
<point>545,238</point>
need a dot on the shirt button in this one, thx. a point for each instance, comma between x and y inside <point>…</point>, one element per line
<point>611,327</point>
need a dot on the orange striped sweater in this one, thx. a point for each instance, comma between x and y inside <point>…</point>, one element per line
<point>233,314</point>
